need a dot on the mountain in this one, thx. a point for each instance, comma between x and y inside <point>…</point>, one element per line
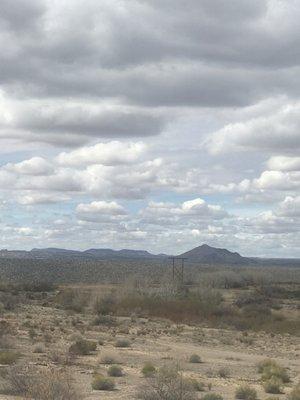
<point>124,253</point>
<point>97,254</point>
<point>211,255</point>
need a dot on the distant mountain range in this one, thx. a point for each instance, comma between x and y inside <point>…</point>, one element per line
<point>99,254</point>
<point>203,254</point>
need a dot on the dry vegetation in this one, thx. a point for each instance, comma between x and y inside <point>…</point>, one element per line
<point>232,334</point>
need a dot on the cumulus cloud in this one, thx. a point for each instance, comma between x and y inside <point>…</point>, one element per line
<point>99,211</point>
<point>198,209</point>
<point>34,166</point>
<point>290,207</point>
<point>284,163</point>
<point>109,154</point>
<point>277,132</point>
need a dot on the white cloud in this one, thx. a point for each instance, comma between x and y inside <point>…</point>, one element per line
<point>100,211</point>
<point>111,153</point>
<point>290,207</point>
<point>275,132</point>
<point>283,163</point>
<point>34,166</point>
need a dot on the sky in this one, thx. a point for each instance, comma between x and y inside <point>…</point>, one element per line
<point>150,124</point>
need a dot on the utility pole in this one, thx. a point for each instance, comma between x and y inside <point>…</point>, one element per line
<point>178,269</point>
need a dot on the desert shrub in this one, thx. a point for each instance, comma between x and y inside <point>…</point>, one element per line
<point>195,359</point>
<point>223,372</point>
<point>44,384</point>
<point>38,287</point>
<point>245,392</point>
<point>266,363</point>
<point>122,343</point>
<point>295,393</point>
<point>276,372</point>
<point>101,383</point>
<point>212,396</point>
<point>270,369</point>
<point>273,385</point>
<point>101,341</point>
<point>105,305</point>
<point>254,310</point>
<point>8,357</point>
<point>251,299</point>
<point>39,348</point>
<point>83,347</point>
<point>71,299</point>
<point>197,385</point>
<point>106,320</point>
<point>53,385</point>
<point>167,384</point>
<point>109,359</point>
<point>115,371</point>
<point>193,306</point>
<point>148,370</point>
<point>10,301</point>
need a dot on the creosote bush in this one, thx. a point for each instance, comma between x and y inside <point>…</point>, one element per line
<point>195,359</point>
<point>101,383</point>
<point>109,359</point>
<point>148,370</point>
<point>122,343</point>
<point>295,393</point>
<point>9,357</point>
<point>41,384</point>
<point>197,385</point>
<point>72,299</point>
<point>212,396</point>
<point>270,369</point>
<point>168,383</point>
<point>83,347</point>
<point>224,372</point>
<point>115,371</point>
<point>245,392</point>
<point>105,305</point>
<point>273,385</point>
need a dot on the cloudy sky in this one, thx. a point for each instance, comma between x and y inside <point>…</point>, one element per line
<point>150,124</point>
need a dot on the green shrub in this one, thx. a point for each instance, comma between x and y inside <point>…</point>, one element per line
<point>273,385</point>
<point>198,386</point>
<point>39,348</point>
<point>212,396</point>
<point>270,369</point>
<point>8,357</point>
<point>167,384</point>
<point>72,299</point>
<point>83,347</point>
<point>148,370</point>
<point>245,392</point>
<point>276,372</point>
<point>40,383</point>
<point>105,305</point>
<point>101,383</point>
<point>122,343</point>
<point>268,362</point>
<point>195,359</point>
<point>106,320</point>
<point>295,393</point>
<point>224,372</point>
<point>115,371</point>
<point>108,359</point>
